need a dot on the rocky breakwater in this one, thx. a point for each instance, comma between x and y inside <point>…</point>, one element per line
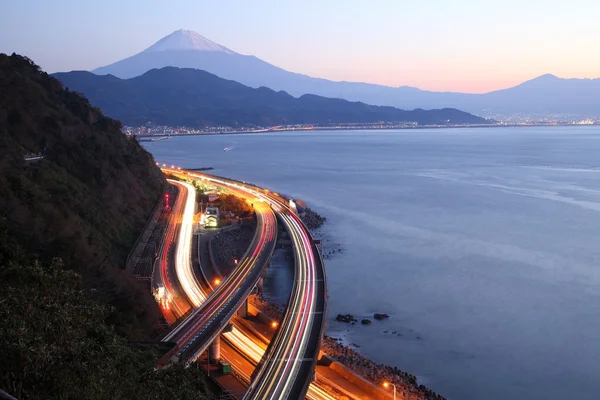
<point>377,373</point>
<point>312,220</point>
<point>374,372</point>
<point>273,311</point>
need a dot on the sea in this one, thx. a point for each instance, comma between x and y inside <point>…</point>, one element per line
<point>482,244</point>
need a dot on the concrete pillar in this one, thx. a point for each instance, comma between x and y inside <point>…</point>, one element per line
<point>214,350</point>
<point>261,285</point>
<point>243,310</point>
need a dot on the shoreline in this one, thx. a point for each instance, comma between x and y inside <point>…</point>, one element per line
<point>345,353</point>
<point>358,128</point>
<point>334,349</point>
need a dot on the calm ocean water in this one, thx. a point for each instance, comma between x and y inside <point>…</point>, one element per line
<point>482,244</point>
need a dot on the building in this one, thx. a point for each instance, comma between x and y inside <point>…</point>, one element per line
<point>211,218</point>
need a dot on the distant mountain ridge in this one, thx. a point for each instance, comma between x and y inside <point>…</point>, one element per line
<point>543,95</point>
<point>195,98</point>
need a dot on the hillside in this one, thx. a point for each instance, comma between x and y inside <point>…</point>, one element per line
<point>67,223</point>
<point>185,49</point>
<point>190,97</point>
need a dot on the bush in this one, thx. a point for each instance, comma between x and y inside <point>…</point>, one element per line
<point>54,344</point>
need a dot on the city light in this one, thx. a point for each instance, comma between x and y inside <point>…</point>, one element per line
<point>387,385</point>
<point>251,348</point>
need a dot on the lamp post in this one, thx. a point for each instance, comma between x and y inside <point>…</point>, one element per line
<point>387,385</point>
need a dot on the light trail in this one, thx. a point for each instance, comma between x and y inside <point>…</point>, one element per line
<point>200,328</point>
<point>177,308</point>
<point>278,373</point>
<point>183,263</point>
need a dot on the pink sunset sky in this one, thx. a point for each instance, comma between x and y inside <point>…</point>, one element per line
<point>460,45</point>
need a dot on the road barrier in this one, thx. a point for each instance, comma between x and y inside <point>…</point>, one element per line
<point>140,243</point>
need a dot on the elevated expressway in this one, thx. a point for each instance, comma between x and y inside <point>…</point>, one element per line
<point>214,312</point>
<point>287,367</point>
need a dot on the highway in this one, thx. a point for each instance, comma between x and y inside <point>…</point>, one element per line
<point>213,313</point>
<point>289,365</point>
<point>287,368</point>
<point>175,302</point>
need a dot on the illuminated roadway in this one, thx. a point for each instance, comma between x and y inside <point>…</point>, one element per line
<point>289,365</point>
<point>176,302</point>
<point>287,368</point>
<point>213,313</point>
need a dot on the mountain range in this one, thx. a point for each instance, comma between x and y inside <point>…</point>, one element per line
<point>541,96</point>
<point>195,98</point>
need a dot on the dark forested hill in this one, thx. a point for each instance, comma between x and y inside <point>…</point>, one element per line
<point>67,223</point>
<point>190,97</point>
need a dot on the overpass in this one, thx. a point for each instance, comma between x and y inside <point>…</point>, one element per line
<point>205,323</point>
<point>287,367</point>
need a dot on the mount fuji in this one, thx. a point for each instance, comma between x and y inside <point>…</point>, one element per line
<point>539,97</point>
<point>187,40</point>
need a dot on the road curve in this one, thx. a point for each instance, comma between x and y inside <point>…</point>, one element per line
<point>288,366</point>
<point>205,323</point>
<point>164,272</point>
<point>241,338</point>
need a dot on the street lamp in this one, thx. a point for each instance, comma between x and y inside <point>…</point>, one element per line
<point>387,385</point>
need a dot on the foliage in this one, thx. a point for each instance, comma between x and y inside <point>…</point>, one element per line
<point>190,97</point>
<point>54,344</point>
<point>66,322</point>
<point>238,206</point>
<point>85,202</point>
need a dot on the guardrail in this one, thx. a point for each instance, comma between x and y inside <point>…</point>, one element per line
<point>137,249</point>
<point>320,276</point>
<point>236,297</point>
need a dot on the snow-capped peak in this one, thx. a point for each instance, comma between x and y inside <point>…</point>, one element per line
<point>187,40</point>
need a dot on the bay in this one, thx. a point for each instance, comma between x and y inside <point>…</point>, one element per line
<point>483,245</point>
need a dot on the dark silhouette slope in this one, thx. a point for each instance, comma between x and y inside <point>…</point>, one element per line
<point>67,222</point>
<point>86,201</point>
<point>190,97</point>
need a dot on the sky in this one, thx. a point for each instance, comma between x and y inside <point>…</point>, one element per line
<point>470,46</point>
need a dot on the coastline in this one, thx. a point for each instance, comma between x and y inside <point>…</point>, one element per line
<point>357,128</point>
<point>336,350</point>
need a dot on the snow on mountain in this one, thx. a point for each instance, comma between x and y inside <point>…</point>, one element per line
<point>544,95</point>
<point>187,40</point>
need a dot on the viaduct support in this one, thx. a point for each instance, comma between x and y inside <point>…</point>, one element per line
<point>214,350</point>
<point>260,285</point>
<point>243,310</point>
